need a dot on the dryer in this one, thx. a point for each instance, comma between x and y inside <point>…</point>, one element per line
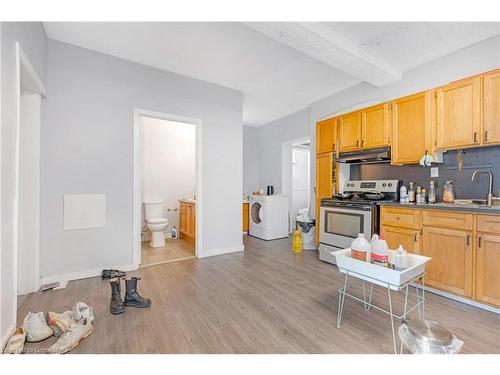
<point>269,216</point>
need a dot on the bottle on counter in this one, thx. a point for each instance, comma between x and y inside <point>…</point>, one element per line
<point>403,194</point>
<point>411,193</point>
<point>448,194</point>
<point>432,193</point>
<point>418,195</point>
<point>423,198</point>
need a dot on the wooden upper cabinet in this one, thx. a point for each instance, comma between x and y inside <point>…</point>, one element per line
<point>375,127</point>
<point>487,269</point>
<point>451,267</point>
<point>458,120</point>
<point>326,135</point>
<point>350,131</point>
<point>491,108</point>
<point>411,125</point>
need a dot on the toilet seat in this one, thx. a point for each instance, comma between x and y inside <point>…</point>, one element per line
<point>158,220</point>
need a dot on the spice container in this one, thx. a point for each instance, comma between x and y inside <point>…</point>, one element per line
<point>448,193</point>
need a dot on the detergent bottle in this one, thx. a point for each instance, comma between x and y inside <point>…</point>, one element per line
<point>297,242</point>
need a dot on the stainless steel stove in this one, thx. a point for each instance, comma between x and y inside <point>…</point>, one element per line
<point>354,211</point>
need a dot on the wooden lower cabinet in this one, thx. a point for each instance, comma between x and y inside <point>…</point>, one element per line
<point>451,267</point>
<point>488,269</point>
<point>409,238</point>
<point>187,222</point>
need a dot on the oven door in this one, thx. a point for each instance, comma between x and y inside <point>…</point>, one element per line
<point>340,225</point>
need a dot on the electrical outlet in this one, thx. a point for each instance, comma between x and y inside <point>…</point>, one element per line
<point>434,172</point>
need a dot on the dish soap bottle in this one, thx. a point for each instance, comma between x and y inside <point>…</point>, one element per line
<point>297,242</point>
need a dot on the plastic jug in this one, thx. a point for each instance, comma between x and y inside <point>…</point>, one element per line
<point>361,248</point>
<point>400,259</point>
<point>380,251</point>
<point>297,242</point>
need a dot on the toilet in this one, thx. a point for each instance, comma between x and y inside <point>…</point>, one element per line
<point>157,224</point>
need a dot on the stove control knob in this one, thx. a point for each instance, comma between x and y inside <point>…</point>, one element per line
<point>384,184</point>
<point>390,184</point>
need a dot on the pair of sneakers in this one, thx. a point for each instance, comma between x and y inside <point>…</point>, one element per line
<point>70,327</point>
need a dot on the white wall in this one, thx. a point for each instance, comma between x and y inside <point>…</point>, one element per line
<point>300,180</point>
<point>169,164</point>
<point>270,139</point>
<point>87,147</point>
<point>251,181</point>
<point>32,38</point>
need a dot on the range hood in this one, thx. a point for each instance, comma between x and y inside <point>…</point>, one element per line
<point>374,155</point>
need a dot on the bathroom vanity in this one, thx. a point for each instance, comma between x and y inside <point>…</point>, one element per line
<point>187,220</point>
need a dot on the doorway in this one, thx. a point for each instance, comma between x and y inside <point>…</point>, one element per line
<point>27,198</point>
<point>295,176</point>
<point>167,193</point>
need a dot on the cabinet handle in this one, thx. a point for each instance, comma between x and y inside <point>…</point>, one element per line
<point>486,135</point>
<point>362,142</point>
<point>415,237</point>
<point>357,143</point>
<point>479,242</point>
<point>468,240</point>
<point>475,137</point>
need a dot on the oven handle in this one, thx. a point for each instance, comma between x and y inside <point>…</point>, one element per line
<point>344,208</point>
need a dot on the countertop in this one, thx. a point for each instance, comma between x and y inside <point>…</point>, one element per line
<point>189,201</point>
<point>446,206</point>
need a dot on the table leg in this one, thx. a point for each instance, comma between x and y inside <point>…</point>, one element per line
<point>404,315</point>
<point>423,296</point>
<point>392,319</point>
<point>341,300</point>
<point>369,304</point>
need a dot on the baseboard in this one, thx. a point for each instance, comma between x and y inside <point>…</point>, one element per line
<point>463,300</point>
<point>227,250</point>
<point>84,274</point>
<point>6,337</point>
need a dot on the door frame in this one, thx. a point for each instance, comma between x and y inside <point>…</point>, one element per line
<point>27,81</point>
<point>137,168</point>
<point>287,173</point>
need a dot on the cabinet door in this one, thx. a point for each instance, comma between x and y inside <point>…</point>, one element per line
<point>411,124</point>
<point>451,266</point>
<point>375,126</point>
<point>491,108</point>
<point>182,218</point>
<point>323,182</point>
<point>409,238</point>
<point>350,132</point>
<point>488,269</point>
<point>458,114</point>
<point>245,217</point>
<point>326,132</point>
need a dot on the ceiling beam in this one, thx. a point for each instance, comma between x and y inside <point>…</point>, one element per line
<point>324,44</point>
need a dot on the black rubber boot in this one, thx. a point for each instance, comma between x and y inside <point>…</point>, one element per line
<point>116,304</point>
<point>132,298</point>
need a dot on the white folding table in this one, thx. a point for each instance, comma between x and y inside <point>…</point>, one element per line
<point>385,277</point>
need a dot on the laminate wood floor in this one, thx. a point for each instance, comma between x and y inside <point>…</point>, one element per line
<point>173,250</point>
<point>262,300</point>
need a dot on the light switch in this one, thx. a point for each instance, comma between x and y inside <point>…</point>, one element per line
<point>434,172</point>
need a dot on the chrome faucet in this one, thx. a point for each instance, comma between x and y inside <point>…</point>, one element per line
<point>489,197</point>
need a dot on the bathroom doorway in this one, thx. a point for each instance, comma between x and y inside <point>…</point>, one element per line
<point>295,176</point>
<point>167,187</point>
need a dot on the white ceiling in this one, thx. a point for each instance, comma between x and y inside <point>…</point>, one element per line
<point>280,67</point>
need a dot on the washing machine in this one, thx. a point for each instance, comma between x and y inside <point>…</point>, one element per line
<point>269,217</point>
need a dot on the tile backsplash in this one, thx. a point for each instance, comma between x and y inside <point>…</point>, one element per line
<point>480,158</point>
